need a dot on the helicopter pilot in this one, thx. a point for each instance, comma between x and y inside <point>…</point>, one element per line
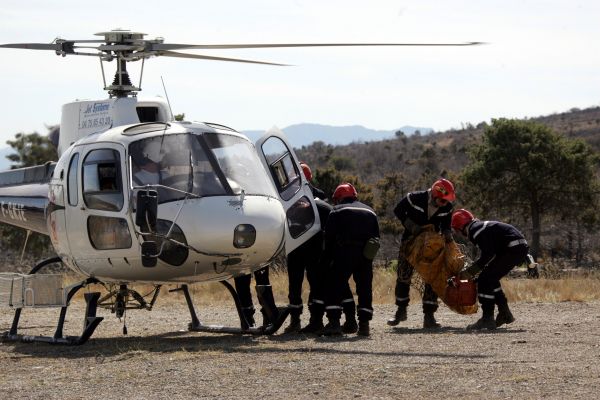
<point>147,167</point>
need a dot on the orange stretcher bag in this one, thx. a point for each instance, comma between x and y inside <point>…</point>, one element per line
<point>461,293</point>
<point>436,262</point>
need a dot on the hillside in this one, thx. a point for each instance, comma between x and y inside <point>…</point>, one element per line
<point>420,157</point>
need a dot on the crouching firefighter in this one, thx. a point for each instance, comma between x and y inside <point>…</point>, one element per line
<point>502,248</point>
<point>351,243</point>
<point>415,210</point>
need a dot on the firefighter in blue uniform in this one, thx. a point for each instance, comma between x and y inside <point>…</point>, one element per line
<point>502,248</point>
<point>307,258</point>
<point>351,241</point>
<point>415,210</point>
<point>269,310</point>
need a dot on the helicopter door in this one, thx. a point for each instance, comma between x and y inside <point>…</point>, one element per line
<point>96,208</point>
<point>283,168</point>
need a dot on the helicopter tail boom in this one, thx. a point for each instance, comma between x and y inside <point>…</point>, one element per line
<point>24,197</point>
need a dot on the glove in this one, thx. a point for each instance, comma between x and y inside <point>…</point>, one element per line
<point>412,227</point>
<point>469,272</point>
<point>448,236</point>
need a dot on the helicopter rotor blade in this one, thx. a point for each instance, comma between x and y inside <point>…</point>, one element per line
<point>175,46</point>
<point>202,57</point>
<point>34,46</point>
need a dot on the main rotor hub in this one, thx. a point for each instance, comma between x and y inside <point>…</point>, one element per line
<point>121,36</point>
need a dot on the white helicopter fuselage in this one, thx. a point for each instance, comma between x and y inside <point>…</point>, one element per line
<point>89,206</point>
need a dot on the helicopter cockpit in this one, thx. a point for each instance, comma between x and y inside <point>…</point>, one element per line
<point>208,164</point>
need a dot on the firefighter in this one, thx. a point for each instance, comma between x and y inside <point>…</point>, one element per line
<point>351,241</point>
<point>269,310</point>
<point>317,193</point>
<point>242,287</point>
<point>415,210</point>
<point>502,247</point>
<point>306,258</point>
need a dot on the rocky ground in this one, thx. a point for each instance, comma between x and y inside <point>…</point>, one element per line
<point>551,351</point>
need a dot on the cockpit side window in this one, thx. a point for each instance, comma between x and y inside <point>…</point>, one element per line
<point>102,186</point>
<point>285,174</point>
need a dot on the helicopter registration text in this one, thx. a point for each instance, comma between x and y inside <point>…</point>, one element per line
<point>14,211</point>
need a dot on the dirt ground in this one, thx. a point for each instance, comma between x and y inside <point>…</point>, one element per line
<point>551,351</point>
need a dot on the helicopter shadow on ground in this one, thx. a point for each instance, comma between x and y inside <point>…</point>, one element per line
<point>130,346</point>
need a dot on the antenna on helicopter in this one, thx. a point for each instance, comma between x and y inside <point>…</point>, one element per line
<point>166,95</point>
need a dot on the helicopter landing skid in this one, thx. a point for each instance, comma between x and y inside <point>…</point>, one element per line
<point>90,322</point>
<point>279,315</point>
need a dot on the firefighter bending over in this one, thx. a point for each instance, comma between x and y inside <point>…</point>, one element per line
<point>502,248</point>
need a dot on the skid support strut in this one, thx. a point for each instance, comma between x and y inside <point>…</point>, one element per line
<point>277,315</point>
<point>90,322</point>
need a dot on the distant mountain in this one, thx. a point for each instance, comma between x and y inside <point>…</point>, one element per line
<point>304,134</point>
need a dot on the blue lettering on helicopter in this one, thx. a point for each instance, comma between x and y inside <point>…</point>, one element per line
<point>96,107</point>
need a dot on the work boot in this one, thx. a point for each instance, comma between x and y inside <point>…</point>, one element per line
<point>483,323</point>
<point>332,328</point>
<point>429,322</point>
<point>294,326</point>
<point>363,328</point>
<point>400,315</point>
<point>314,326</point>
<point>249,315</point>
<point>350,326</point>
<point>504,316</point>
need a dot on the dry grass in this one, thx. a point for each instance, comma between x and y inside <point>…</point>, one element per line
<point>568,287</point>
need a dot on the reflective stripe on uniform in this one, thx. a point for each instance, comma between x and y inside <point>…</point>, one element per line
<point>485,224</point>
<point>356,208</point>
<point>350,300</point>
<point>402,298</point>
<point>498,289</point>
<point>294,305</point>
<point>517,242</point>
<point>366,310</point>
<point>442,214</point>
<point>315,301</point>
<point>435,303</point>
<point>487,296</point>
<point>413,206</point>
<point>333,308</point>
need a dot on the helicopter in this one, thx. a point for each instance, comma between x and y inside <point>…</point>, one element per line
<point>137,197</point>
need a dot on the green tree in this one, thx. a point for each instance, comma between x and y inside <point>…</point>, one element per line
<point>31,149</point>
<point>391,188</point>
<point>327,180</point>
<point>525,168</point>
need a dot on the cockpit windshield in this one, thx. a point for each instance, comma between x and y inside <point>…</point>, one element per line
<point>176,161</point>
<point>239,162</point>
<point>205,165</point>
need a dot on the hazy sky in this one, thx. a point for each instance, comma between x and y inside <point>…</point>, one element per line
<point>541,57</point>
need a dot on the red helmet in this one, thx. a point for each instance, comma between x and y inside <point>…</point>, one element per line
<point>443,189</point>
<point>343,191</point>
<point>460,218</point>
<point>306,170</point>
